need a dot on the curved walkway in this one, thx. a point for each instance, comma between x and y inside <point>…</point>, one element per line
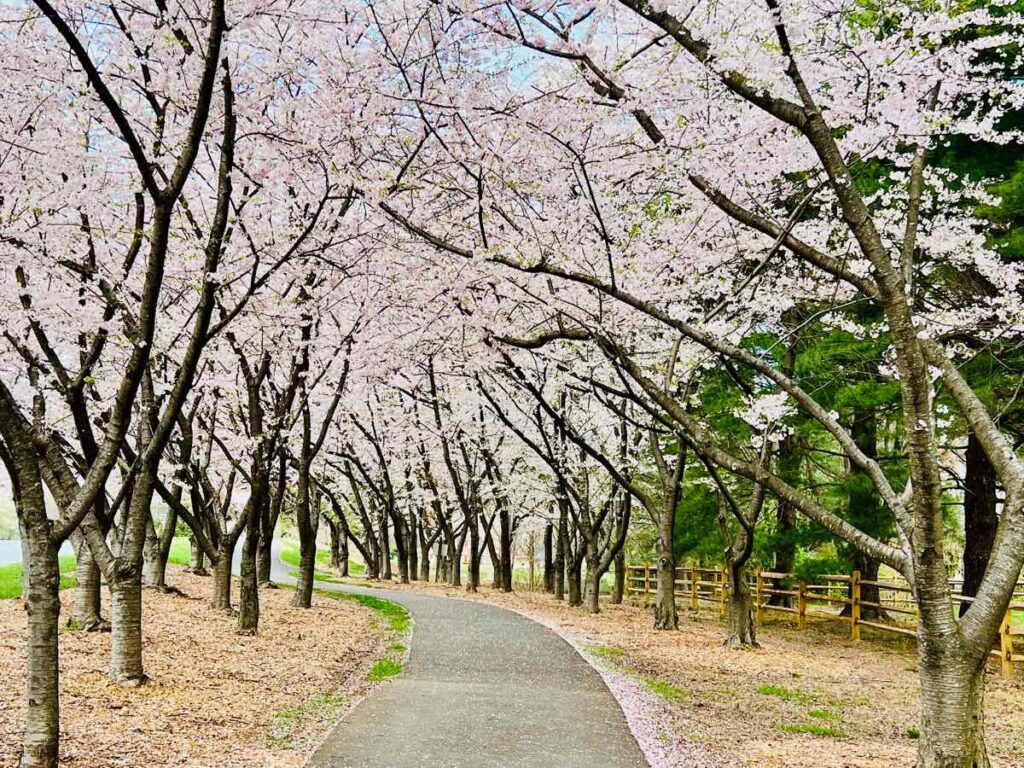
<point>483,687</point>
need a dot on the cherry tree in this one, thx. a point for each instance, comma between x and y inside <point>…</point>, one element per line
<point>711,163</point>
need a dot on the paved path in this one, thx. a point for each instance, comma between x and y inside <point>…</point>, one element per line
<point>484,688</point>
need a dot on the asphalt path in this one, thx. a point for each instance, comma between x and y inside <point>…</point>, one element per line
<point>483,687</point>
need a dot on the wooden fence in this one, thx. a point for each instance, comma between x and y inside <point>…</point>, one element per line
<point>834,598</point>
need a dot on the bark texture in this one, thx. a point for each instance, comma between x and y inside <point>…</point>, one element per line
<point>952,710</point>
<point>126,638</point>
<point>42,718</point>
<point>88,595</point>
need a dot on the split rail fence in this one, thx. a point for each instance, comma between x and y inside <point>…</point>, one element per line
<point>836,598</point>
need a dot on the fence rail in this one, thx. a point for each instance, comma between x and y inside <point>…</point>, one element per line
<point>835,597</point>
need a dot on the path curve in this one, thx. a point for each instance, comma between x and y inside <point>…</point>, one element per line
<point>483,688</point>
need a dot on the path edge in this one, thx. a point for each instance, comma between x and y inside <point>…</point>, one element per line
<point>369,688</point>
<point>643,711</point>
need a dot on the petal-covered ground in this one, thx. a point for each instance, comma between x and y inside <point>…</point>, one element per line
<point>215,699</point>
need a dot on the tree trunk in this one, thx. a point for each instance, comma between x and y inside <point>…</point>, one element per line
<point>125,579</point>
<point>126,634</point>
<point>455,560</point>
<point>494,557</point>
<point>558,577</point>
<point>980,519</point>
<point>785,547</point>
<point>505,535</point>
<point>373,563</point>
<point>264,559</point>
<point>401,548</point>
<point>865,509</point>
<point>153,574</point>
<point>868,568</point>
<point>742,630</point>
<point>87,616</point>
<point>549,565</point>
<point>221,597</point>
<point>592,587</point>
<point>385,547</point>
<point>335,536</point>
<point>788,463</point>
<point>425,549</point>
<point>304,581</point>
<point>414,547</point>
<point>26,557</point>
<point>343,556</point>
<point>306,521</point>
<point>575,578</point>
<point>42,602</point>
<point>249,595</point>
<point>474,551</point>
<point>619,591</point>
<point>440,572</point>
<point>953,716</point>
<point>198,564</point>
<point>531,559</point>
<point>665,614</point>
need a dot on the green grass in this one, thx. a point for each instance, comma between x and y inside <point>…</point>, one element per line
<point>667,691</point>
<point>384,669</point>
<point>10,576</point>
<point>290,556</point>
<point>824,714</point>
<point>778,691</point>
<point>395,615</point>
<point>814,730</point>
<point>913,733</point>
<point>398,623</point>
<point>318,576</point>
<point>181,551</point>
<point>608,652</point>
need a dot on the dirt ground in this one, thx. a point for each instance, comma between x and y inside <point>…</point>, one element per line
<point>215,699</point>
<point>810,699</point>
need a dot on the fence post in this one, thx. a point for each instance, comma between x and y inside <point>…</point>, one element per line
<point>855,605</point>
<point>647,583</point>
<point>801,605</point>
<point>694,586</point>
<point>724,596</point>
<point>1006,647</point>
<point>760,597</point>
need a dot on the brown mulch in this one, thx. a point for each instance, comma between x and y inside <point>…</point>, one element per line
<point>867,691</point>
<point>214,699</point>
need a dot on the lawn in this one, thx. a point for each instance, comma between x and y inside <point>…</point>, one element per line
<point>290,556</point>
<point>181,551</point>
<point>10,575</point>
